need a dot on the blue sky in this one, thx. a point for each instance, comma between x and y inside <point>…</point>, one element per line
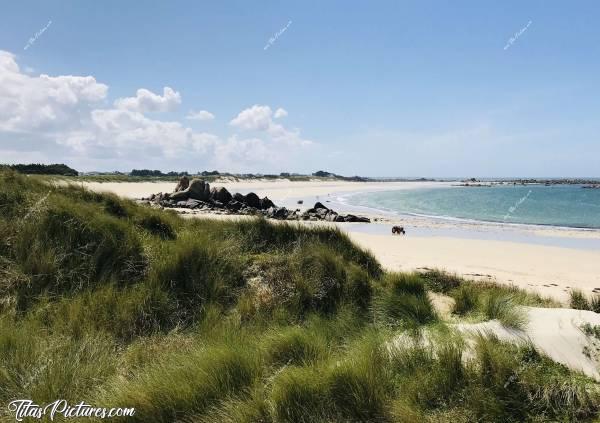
<point>419,88</point>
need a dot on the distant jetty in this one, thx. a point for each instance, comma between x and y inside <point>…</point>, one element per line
<point>587,183</point>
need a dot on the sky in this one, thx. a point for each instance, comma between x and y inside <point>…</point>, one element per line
<point>370,88</point>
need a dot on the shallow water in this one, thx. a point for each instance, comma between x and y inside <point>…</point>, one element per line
<point>559,205</point>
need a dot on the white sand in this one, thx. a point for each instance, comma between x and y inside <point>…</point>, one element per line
<point>531,266</point>
<point>534,267</point>
<point>556,332</point>
<point>277,190</point>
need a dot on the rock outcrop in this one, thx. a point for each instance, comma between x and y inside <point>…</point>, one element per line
<point>183,184</point>
<point>197,195</point>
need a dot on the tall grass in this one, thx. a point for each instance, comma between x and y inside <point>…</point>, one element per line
<point>114,304</point>
<point>506,310</point>
<point>402,301</point>
<point>465,299</point>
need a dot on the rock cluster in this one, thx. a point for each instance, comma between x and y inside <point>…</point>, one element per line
<point>198,195</point>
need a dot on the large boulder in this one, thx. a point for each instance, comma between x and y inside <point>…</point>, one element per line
<point>266,203</point>
<point>184,183</point>
<point>277,212</point>
<point>239,197</point>
<point>180,195</point>
<point>353,218</point>
<point>198,190</point>
<point>234,205</point>
<point>221,194</point>
<point>252,200</point>
<point>319,205</point>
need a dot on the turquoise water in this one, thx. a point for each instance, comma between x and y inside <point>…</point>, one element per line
<point>559,205</point>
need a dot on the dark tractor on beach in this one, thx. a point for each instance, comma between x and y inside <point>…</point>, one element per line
<point>398,230</point>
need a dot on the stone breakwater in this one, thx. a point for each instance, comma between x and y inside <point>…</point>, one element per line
<point>198,195</point>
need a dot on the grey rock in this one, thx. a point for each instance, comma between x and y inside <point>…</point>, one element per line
<point>266,203</point>
<point>184,183</point>
<point>193,204</point>
<point>199,190</point>
<point>234,205</point>
<point>221,194</point>
<point>252,200</point>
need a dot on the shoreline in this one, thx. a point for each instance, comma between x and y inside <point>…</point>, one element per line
<point>543,259</point>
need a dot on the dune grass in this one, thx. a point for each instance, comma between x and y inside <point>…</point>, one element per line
<point>486,301</point>
<point>115,304</point>
<point>579,301</point>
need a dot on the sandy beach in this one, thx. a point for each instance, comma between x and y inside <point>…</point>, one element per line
<point>546,260</point>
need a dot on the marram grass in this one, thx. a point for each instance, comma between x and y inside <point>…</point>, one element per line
<point>114,304</point>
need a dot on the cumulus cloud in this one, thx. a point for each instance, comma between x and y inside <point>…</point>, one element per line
<point>69,117</point>
<point>256,118</point>
<point>200,115</point>
<point>260,118</point>
<point>43,103</point>
<point>279,113</point>
<point>147,101</point>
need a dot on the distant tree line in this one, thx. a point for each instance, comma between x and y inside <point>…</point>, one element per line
<point>324,174</point>
<point>43,169</point>
<point>148,172</point>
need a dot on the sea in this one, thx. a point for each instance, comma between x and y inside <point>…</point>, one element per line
<point>569,206</point>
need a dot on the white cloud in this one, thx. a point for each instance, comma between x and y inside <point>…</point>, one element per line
<point>279,113</point>
<point>146,101</point>
<point>69,118</point>
<point>260,118</point>
<point>255,118</point>
<point>200,115</point>
<point>43,103</point>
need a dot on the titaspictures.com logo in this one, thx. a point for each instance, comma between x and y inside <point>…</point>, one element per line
<point>25,408</point>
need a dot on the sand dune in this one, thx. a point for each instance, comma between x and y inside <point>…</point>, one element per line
<point>555,332</point>
<point>546,269</point>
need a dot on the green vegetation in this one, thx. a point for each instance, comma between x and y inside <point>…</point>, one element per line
<point>484,300</point>
<point>42,169</point>
<point>591,330</point>
<point>579,301</point>
<point>116,304</point>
